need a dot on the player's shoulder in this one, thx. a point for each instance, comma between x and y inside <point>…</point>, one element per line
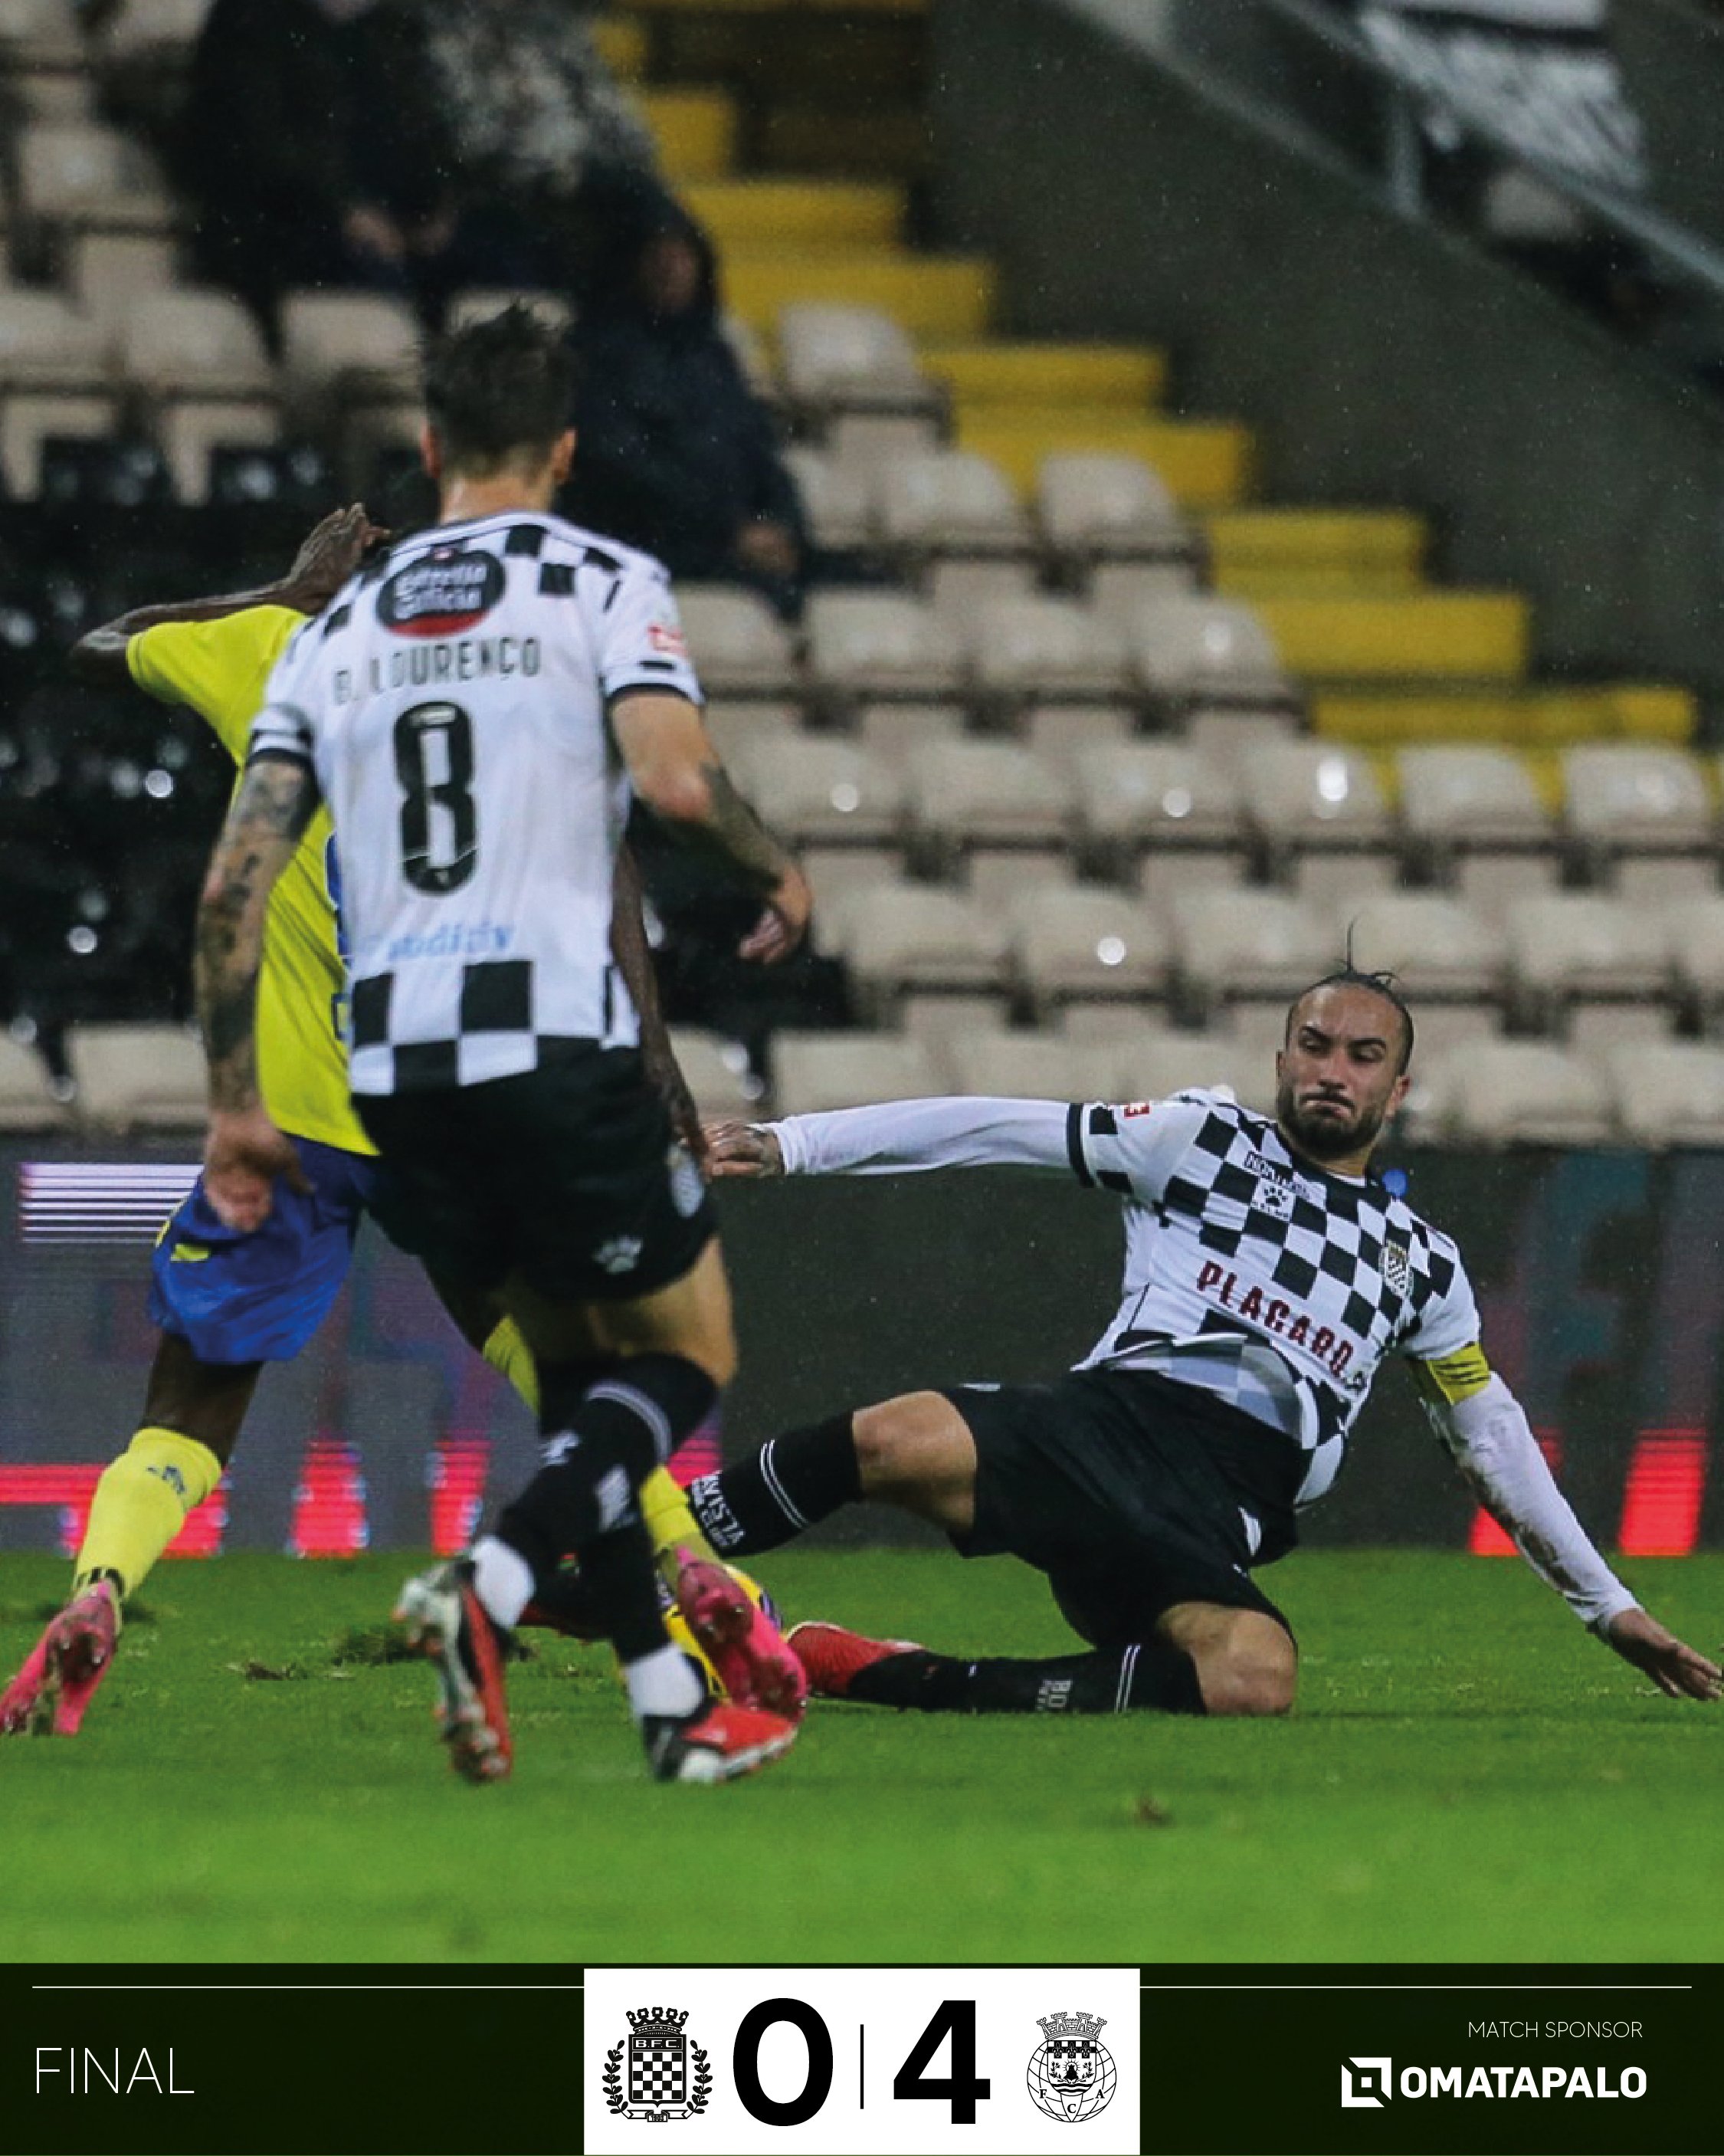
<point>1194,1115</point>
<point>563,540</point>
<point>1442,1263</point>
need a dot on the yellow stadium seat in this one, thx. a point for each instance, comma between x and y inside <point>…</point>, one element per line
<point>621,42</point>
<point>797,213</point>
<point>1316,553</point>
<point>1129,377</point>
<point>1456,635</point>
<point>696,131</point>
<point>1205,464</point>
<point>931,296</point>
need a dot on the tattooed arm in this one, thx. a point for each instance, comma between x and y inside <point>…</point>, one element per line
<point>245,1153</point>
<point>633,957</point>
<point>677,772</point>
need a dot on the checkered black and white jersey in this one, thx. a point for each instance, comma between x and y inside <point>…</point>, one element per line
<point>452,702</point>
<point>1249,1272</point>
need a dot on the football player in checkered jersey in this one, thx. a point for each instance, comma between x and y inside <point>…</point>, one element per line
<point>1267,1275</point>
<point>474,708</point>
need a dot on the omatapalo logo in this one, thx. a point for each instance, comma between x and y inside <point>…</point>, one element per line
<point>1368,2084</point>
<point>441,595</point>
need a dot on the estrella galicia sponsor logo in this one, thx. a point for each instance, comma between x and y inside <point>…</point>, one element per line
<point>1368,2084</point>
<point>441,595</point>
<point>666,2077</point>
<point>1070,2076</point>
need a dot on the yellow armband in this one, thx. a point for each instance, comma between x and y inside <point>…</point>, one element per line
<point>1453,1378</point>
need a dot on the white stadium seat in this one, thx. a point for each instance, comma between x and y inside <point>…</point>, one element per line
<point>1508,1092</point>
<point>1668,1092</point>
<point>879,644</point>
<point>1026,648</point>
<point>1099,507</point>
<point>822,789</point>
<point>813,1072</point>
<point>130,1076</point>
<point>738,646</point>
<point>1081,943</point>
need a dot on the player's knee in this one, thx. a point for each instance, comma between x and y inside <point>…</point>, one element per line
<point>1255,1679</point>
<point>889,1441</point>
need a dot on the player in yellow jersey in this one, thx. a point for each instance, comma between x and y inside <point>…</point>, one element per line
<point>226,1302</point>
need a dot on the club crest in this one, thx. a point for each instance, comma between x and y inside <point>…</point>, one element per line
<point>666,2076</point>
<point>1071,2073</point>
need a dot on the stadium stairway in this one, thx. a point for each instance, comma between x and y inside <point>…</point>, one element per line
<point>1388,658</point>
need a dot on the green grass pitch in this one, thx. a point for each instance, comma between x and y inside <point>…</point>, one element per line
<point>1467,1777</point>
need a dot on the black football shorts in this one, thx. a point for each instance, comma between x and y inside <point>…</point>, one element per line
<point>1109,1481</point>
<point>568,1176</point>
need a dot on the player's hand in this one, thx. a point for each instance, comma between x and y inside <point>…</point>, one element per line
<point>332,550</point>
<point>243,1155</point>
<point>742,1149</point>
<point>1675,1668</point>
<point>783,924</point>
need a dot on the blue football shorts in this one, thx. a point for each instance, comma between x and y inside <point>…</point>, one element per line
<point>259,1297</point>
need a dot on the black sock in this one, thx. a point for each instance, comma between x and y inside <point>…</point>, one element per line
<point>791,1482</point>
<point>1152,1675</point>
<point>617,1572</point>
<point>603,1439</point>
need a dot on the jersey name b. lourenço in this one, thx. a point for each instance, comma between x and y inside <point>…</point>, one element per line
<point>452,701</point>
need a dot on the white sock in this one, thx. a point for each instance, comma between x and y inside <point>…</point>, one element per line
<point>663,1682</point>
<point>502,1579</point>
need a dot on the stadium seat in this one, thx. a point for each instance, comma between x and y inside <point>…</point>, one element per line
<point>349,344</point>
<point>731,721</point>
<point>893,731</point>
<point>1118,590</point>
<point>1315,805</point>
<point>45,344</point>
<point>899,936</point>
<point>948,501</point>
<point>1164,1062</point>
<point>815,1072</point>
<point>74,176</point>
<point>31,421</point>
<point>107,273</point>
<point>1474,820</point>
<point>184,343</point>
<point>1234,946</point>
<point>144,30</point>
<point>821,789</point>
<point>1189,650</point>
<point>969,793</point>
<point>1079,942</point>
<point>478,303</point>
<point>959,587</point>
<point>935,1019</point>
<point>1668,1092</point>
<point>1438,948</point>
<point>1696,948</point>
<point>877,643</point>
<point>1100,508</point>
<point>1642,818</point>
<point>1042,648</point>
<point>1060,733</point>
<point>131,1076</point>
<point>716,1073</point>
<point>40,33</point>
<point>1575,948</point>
<point>832,871</point>
<point>1014,1064</point>
<point>835,499</point>
<point>738,644</point>
<point>27,1098</point>
<point>836,358</point>
<point>1510,1092</point>
<point>1156,803</point>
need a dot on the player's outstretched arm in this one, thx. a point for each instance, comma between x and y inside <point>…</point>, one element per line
<point>245,1151</point>
<point>331,551</point>
<point>1485,1431</point>
<point>678,773</point>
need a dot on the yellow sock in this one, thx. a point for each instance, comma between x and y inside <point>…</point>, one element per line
<point>141,1504</point>
<point>506,1351</point>
<point>664,1507</point>
<point>669,1521</point>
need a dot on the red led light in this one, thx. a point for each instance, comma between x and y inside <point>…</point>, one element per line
<point>1660,1505</point>
<point>329,1516</point>
<point>457,1470</point>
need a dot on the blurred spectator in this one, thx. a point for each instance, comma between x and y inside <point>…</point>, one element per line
<point>675,451</point>
<point>539,146</point>
<point>301,165</point>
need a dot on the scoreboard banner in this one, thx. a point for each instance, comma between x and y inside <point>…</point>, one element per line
<point>830,2060</point>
